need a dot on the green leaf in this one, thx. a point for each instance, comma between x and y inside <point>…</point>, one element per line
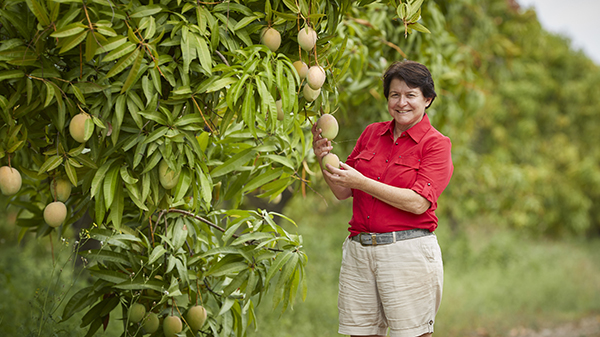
<point>262,179</point>
<point>50,164</point>
<point>123,63</point>
<point>141,284</point>
<point>71,173</point>
<point>39,11</point>
<point>78,93</point>
<point>157,253</point>
<point>106,255</point>
<point>116,212</point>
<point>112,44</point>
<point>144,11</point>
<point>69,30</point>
<point>415,7</point>
<point>127,178</point>
<point>99,177</point>
<point>279,262</point>
<point>245,21</point>
<point>109,275</point>
<point>49,93</point>
<point>156,134</point>
<point>292,6</point>
<point>134,194</point>
<point>226,250</point>
<point>220,84</point>
<point>78,301</point>
<point>227,269</point>
<point>91,46</point>
<point>134,72</point>
<point>72,42</point>
<point>180,233</point>
<point>183,185</point>
<point>11,74</point>
<point>233,163</point>
<point>110,185</point>
<point>203,53</point>
<point>257,236</point>
<point>419,27</point>
<point>206,188</point>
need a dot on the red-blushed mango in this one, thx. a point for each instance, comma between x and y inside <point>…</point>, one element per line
<point>310,94</point>
<point>167,177</point>
<point>278,104</point>
<point>60,189</point>
<point>196,316</point>
<point>172,325</point>
<point>307,38</point>
<point>77,127</point>
<point>329,126</point>
<point>151,323</point>
<point>271,38</point>
<point>10,180</point>
<point>137,311</point>
<point>315,77</point>
<point>301,69</point>
<point>331,159</point>
<point>55,213</point>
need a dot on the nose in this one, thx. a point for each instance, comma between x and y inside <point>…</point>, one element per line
<point>402,100</point>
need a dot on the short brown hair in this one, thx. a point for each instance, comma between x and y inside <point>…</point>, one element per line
<point>414,74</point>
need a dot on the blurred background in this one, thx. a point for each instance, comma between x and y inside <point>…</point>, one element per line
<point>519,223</point>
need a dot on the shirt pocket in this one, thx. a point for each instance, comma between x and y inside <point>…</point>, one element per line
<point>363,163</point>
<point>405,170</point>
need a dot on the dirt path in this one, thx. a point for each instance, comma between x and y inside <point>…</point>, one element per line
<point>587,327</point>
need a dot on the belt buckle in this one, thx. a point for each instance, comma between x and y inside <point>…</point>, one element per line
<point>373,239</point>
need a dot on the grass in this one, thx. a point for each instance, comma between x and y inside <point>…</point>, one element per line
<point>37,278</point>
<point>495,279</point>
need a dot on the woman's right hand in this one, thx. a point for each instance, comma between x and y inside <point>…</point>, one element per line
<point>321,146</point>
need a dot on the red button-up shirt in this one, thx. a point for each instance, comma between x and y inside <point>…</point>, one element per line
<point>419,159</point>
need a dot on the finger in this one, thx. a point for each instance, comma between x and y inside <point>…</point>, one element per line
<point>323,144</point>
<point>334,170</point>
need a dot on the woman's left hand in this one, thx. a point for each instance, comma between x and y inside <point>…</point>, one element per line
<point>347,176</point>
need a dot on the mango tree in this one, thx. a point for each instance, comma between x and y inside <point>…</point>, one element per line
<point>157,119</point>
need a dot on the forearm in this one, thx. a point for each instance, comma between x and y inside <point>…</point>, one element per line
<point>401,198</point>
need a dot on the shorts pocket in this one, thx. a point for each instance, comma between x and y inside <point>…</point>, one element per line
<point>430,248</point>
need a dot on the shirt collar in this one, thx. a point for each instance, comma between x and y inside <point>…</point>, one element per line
<point>416,132</point>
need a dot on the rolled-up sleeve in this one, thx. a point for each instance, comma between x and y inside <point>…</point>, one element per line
<point>435,170</point>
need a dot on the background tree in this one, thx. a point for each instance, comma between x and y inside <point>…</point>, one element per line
<point>161,117</point>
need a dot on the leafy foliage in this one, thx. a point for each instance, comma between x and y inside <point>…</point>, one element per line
<point>186,86</point>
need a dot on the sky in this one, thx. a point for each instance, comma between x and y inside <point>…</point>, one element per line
<point>577,19</point>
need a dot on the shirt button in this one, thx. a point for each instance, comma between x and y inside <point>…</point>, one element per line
<point>378,178</point>
<point>396,143</point>
<point>386,160</point>
<point>368,216</point>
<point>373,152</point>
<point>428,184</point>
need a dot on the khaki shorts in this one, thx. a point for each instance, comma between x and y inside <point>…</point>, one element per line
<point>396,286</point>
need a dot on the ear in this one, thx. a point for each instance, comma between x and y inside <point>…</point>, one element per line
<point>428,102</point>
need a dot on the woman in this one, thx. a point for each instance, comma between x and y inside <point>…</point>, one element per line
<point>392,274</point>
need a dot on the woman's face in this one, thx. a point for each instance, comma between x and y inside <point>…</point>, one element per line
<point>406,105</point>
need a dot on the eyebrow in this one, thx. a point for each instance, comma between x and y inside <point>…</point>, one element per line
<point>410,91</point>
